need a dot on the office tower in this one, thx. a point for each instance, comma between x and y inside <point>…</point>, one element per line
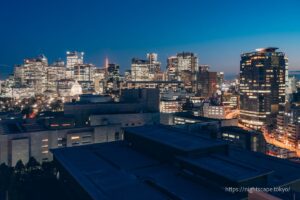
<point>145,70</point>
<point>32,73</point>
<point>113,79</point>
<point>187,61</point>
<point>139,70</point>
<point>262,87</point>
<point>206,82</point>
<point>73,58</point>
<point>172,63</point>
<point>83,72</point>
<point>183,67</point>
<point>184,61</point>
<point>291,124</point>
<point>99,80</point>
<point>154,65</point>
<point>55,72</point>
<point>113,72</point>
<point>220,79</point>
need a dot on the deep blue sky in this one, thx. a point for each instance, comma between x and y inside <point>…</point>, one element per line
<point>217,30</point>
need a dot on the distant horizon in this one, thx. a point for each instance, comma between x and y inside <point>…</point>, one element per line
<point>6,70</point>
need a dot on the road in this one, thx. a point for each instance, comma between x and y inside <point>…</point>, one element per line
<point>232,114</point>
<point>277,143</point>
<point>274,142</point>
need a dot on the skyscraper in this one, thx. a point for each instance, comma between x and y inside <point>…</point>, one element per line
<point>73,58</point>
<point>32,73</point>
<point>206,82</point>
<point>262,87</point>
<point>183,67</point>
<point>172,63</point>
<point>154,65</point>
<point>145,70</point>
<point>139,70</point>
<point>185,61</point>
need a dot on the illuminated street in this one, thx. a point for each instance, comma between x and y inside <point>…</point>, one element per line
<point>275,142</point>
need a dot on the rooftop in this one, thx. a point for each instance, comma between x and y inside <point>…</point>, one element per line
<point>132,167</point>
<point>268,49</point>
<point>113,170</point>
<point>188,115</point>
<point>175,138</point>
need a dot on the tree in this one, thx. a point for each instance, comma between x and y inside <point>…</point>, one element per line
<point>27,110</point>
<point>5,176</point>
<point>57,105</point>
<point>19,168</point>
<point>32,164</point>
<point>38,182</point>
<point>48,168</point>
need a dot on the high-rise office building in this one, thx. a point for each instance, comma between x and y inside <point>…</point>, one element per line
<point>55,72</point>
<point>83,72</point>
<point>113,72</point>
<point>145,70</point>
<point>32,73</point>
<point>113,79</point>
<point>187,61</point>
<point>172,63</point>
<point>183,67</point>
<point>154,65</point>
<point>206,82</point>
<point>139,70</point>
<point>220,79</point>
<point>262,87</point>
<point>73,58</point>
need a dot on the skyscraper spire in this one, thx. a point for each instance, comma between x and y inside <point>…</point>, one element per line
<point>106,62</point>
<point>106,65</point>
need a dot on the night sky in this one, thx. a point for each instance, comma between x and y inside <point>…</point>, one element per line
<point>216,30</point>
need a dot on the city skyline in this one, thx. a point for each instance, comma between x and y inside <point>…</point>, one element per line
<point>135,99</point>
<point>218,32</point>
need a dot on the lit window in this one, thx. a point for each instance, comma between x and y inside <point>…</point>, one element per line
<point>75,137</point>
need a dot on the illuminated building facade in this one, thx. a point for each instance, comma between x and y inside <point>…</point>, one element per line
<point>145,70</point>
<point>172,63</point>
<point>183,67</point>
<point>230,100</point>
<point>170,106</point>
<point>262,87</point>
<point>139,70</point>
<point>83,72</point>
<point>215,112</point>
<point>187,61</point>
<point>32,74</point>
<point>73,58</point>
<point>55,72</point>
<point>154,65</point>
<point>206,82</point>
